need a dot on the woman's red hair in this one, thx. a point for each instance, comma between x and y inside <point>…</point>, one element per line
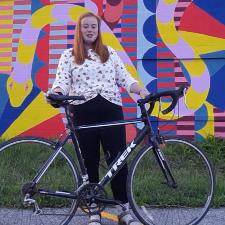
<point>78,48</point>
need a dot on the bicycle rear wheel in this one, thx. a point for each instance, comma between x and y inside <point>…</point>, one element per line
<point>154,201</point>
<point>20,159</point>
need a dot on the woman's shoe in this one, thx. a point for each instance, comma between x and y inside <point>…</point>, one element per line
<point>95,219</point>
<point>125,218</point>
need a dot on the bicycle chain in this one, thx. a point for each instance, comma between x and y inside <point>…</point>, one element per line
<point>87,198</point>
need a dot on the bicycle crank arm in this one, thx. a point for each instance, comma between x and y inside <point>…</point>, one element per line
<point>62,194</point>
<point>108,201</point>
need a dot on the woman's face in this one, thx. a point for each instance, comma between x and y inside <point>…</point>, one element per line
<point>89,29</point>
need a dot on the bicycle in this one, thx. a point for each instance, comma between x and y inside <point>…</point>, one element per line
<point>170,180</point>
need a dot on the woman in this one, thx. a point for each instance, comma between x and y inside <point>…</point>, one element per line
<point>94,70</point>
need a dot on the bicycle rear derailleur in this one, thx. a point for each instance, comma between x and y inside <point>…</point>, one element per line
<point>29,190</point>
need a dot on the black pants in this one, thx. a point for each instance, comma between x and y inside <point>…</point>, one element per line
<point>113,140</point>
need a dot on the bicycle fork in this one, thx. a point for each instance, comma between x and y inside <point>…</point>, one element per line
<point>170,181</point>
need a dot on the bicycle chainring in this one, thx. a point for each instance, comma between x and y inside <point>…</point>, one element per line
<point>89,196</point>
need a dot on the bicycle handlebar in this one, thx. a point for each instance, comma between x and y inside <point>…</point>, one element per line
<point>151,98</point>
<point>63,98</point>
<point>174,94</point>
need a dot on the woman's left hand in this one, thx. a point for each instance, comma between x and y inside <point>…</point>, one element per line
<point>143,93</point>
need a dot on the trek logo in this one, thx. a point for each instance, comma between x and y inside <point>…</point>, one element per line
<point>121,159</point>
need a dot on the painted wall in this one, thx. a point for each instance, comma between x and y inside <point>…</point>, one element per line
<point>163,43</point>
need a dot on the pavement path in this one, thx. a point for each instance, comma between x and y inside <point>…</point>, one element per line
<point>213,217</point>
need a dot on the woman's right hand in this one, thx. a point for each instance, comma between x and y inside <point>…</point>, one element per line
<point>56,91</point>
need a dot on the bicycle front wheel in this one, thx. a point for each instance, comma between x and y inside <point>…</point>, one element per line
<point>20,159</point>
<point>155,201</point>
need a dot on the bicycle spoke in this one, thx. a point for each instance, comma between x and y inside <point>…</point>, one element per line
<point>156,202</point>
<point>20,160</point>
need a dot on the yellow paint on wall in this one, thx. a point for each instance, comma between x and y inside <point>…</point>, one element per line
<point>42,17</point>
<point>110,39</point>
<point>25,53</point>
<point>132,70</point>
<point>6,49</point>
<point>195,99</point>
<point>203,44</point>
<point>5,31</point>
<point>76,11</point>
<point>6,40</point>
<point>195,67</point>
<point>157,112</point>
<point>209,128</point>
<point>6,12</point>
<point>170,1</point>
<point>5,68</point>
<point>6,3</point>
<point>37,112</point>
<point>168,33</point>
<point>18,92</point>
<point>5,59</point>
<point>6,21</point>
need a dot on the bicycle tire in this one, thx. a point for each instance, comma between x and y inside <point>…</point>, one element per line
<point>20,159</point>
<point>153,201</point>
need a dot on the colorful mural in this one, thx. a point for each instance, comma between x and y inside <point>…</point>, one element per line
<point>163,44</point>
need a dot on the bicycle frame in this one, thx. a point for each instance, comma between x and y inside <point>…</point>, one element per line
<point>117,164</point>
<point>44,169</point>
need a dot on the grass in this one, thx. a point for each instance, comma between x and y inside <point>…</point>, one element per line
<point>21,165</point>
<point>215,149</point>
